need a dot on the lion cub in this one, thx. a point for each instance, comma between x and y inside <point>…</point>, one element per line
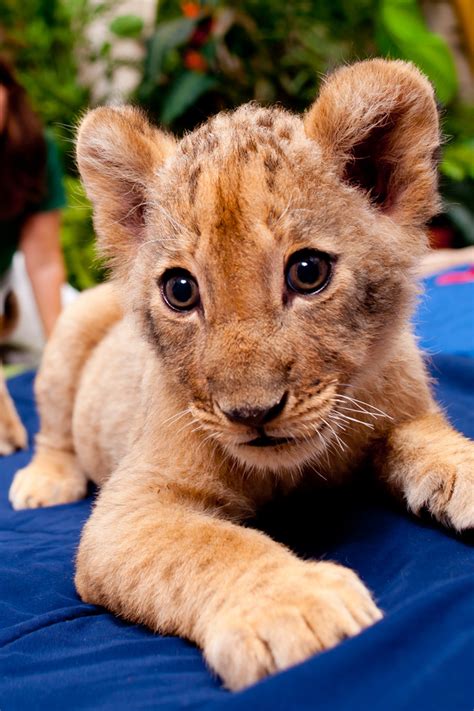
<point>256,334</point>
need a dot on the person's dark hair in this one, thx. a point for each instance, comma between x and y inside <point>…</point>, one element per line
<point>22,151</point>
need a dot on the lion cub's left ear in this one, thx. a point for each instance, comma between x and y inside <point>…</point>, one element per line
<point>118,154</point>
<point>377,124</point>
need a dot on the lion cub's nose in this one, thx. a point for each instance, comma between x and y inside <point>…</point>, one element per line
<point>256,416</point>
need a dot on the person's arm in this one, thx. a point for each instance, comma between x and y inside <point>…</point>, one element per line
<point>44,263</point>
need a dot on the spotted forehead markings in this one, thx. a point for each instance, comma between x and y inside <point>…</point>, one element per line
<point>243,132</point>
<point>249,130</point>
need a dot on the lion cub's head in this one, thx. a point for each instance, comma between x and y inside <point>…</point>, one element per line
<point>267,256</point>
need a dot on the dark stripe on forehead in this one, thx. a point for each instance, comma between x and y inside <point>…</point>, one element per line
<point>193,183</point>
<point>272,163</point>
<point>266,119</point>
<point>227,205</point>
<point>203,141</point>
<point>285,132</point>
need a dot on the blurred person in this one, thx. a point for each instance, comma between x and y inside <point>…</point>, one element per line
<point>32,194</point>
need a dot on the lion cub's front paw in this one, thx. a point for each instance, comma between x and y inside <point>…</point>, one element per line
<point>48,481</point>
<point>445,487</point>
<point>306,608</point>
<point>13,435</point>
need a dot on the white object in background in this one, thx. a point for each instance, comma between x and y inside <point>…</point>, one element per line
<point>28,332</point>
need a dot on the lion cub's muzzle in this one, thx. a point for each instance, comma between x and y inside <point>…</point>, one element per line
<point>256,417</point>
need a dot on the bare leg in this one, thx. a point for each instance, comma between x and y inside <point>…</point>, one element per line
<point>53,476</point>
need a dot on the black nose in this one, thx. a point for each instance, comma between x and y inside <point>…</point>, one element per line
<point>256,416</point>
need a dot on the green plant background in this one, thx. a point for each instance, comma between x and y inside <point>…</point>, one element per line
<point>204,57</point>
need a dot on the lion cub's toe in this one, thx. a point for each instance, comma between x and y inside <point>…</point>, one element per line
<point>298,616</point>
<point>48,481</point>
<point>446,488</point>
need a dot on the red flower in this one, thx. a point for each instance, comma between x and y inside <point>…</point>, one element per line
<point>194,61</point>
<point>190,9</point>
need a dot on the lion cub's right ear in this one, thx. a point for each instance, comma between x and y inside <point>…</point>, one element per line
<point>118,153</point>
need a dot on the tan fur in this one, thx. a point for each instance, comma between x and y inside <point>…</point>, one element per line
<point>136,403</point>
<point>12,433</point>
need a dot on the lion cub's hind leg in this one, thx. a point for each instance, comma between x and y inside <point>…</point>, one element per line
<point>54,477</point>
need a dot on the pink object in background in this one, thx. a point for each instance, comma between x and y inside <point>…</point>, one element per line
<point>464,277</point>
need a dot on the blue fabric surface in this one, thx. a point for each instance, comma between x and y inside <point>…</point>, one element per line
<point>445,317</point>
<point>58,653</point>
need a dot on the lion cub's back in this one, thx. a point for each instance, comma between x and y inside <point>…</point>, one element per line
<point>108,399</point>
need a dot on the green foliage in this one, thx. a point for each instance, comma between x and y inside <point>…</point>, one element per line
<point>402,33</point>
<point>77,238</point>
<point>184,93</point>
<point>243,52</point>
<point>127,26</point>
<point>458,160</point>
<point>45,38</point>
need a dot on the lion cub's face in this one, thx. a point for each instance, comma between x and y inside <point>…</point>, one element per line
<point>267,278</point>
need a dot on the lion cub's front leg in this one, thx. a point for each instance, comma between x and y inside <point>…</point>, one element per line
<point>12,433</point>
<point>432,466</point>
<point>250,604</point>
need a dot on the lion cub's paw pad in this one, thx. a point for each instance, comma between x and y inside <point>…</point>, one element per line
<point>34,488</point>
<point>252,641</point>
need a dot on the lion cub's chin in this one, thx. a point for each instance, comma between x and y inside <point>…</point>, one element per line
<point>288,457</point>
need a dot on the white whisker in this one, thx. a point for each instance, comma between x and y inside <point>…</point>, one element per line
<point>359,410</point>
<point>338,439</point>
<point>175,418</point>
<point>354,401</point>
<point>186,424</point>
<point>333,416</point>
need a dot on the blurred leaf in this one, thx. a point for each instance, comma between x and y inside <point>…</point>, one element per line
<point>458,160</point>
<point>402,33</point>
<point>184,92</point>
<point>127,26</point>
<point>168,35</point>
<point>78,239</point>
<point>459,121</point>
<point>452,169</point>
<point>105,49</point>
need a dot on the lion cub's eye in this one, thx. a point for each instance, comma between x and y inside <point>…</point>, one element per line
<point>180,290</point>
<point>308,271</point>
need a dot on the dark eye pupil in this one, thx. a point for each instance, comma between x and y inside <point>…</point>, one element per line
<point>182,290</point>
<point>307,272</point>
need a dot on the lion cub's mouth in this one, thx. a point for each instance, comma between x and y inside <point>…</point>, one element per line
<point>267,441</point>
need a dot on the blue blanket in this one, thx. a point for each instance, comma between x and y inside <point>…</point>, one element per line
<point>58,653</point>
